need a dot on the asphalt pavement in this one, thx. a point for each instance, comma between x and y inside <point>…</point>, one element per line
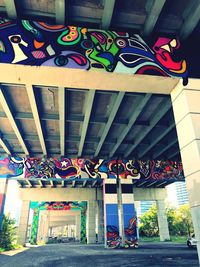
<point>78,255</point>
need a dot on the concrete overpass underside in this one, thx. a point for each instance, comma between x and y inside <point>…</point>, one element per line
<point>70,92</point>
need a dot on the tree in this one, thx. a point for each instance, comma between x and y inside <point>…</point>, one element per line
<point>179,221</point>
<point>184,219</point>
<point>172,221</point>
<point>149,223</point>
<point>8,233</point>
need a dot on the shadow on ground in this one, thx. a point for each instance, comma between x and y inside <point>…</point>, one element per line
<point>77,255</point>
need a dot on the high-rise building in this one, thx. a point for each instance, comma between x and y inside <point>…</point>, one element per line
<point>143,206</point>
<point>177,194</point>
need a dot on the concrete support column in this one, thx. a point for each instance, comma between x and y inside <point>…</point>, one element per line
<point>100,221</point>
<point>23,223</point>
<point>162,221</point>
<point>46,227</point>
<point>78,227</point>
<point>185,101</point>
<point>91,222</point>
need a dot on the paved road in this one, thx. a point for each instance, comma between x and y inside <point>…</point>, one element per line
<point>76,255</point>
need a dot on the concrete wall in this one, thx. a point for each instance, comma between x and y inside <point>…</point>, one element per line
<point>60,194</point>
<point>185,101</point>
<point>84,194</point>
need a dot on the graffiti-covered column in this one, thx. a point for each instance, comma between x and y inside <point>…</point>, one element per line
<point>129,213</point>
<point>185,101</point>
<point>100,221</point>
<point>162,221</point>
<point>78,227</point>
<point>111,218</point>
<point>3,189</point>
<point>91,222</point>
<point>23,223</point>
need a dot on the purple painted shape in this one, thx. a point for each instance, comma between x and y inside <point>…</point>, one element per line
<point>68,59</point>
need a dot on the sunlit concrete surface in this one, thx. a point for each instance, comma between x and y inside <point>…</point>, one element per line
<point>74,254</point>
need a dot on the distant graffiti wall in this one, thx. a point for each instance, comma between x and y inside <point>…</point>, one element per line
<point>66,168</point>
<point>57,205</point>
<point>41,44</point>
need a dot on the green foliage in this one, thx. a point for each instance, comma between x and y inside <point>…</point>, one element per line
<point>8,234</point>
<point>149,223</point>
<point>183,220</point>
<point>179,221</point>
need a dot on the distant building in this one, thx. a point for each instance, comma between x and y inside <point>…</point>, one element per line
<point>177,194</point>
<point>143,206</point>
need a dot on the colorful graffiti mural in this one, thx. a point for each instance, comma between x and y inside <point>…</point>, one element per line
<point>57,205</point>
<point>113,212</point>
<point>11,167</point>
<point>41,44</point>
<point>65,168</point>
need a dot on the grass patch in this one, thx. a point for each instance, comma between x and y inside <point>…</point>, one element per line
<point>2,250</point>
<point>149,239</point>
<point>175,239</point>
<point>14,247</point>
<point>179,239</point>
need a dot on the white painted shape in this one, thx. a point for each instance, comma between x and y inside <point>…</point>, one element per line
<point>110,198</point>
<point>50,50</point>
<point>127,198</point>
<point>18,53</point>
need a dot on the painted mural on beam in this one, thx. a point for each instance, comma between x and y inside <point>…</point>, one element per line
<point>41,44</point>
<point>66,168</point>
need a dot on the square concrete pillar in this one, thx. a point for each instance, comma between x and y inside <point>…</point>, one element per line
<point>91,222</point>
<point>100,221</point>
<point>43,227</point>
<point>23,223</point>
<point>162,221</point>
<point>185,102</point>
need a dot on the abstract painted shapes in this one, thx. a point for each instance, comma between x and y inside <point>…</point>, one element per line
<point>2,47</point>
<point>71,36</point>
<point>68,59</point>
<point>48,27</point>
<point>38,54</point>
<point>130,225</point>
<point>65,169</point>
<point>16,42</point>
<point>50,50</point>
<point>4,23</point>
<point>37,168</point>
<point>12,167</point>
<point>89,48</point>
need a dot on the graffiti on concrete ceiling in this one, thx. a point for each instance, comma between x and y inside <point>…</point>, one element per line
<point>41,44</point>
<point>11,167</point>
<point>66,168</point>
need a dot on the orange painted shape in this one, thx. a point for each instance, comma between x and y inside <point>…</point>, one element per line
<point>38,44</point>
